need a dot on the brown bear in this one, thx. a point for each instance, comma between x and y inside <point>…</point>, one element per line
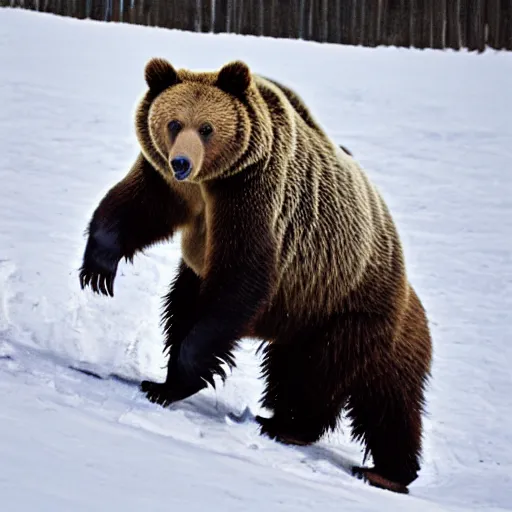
<point>284,239</point>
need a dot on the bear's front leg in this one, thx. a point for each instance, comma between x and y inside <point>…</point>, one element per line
<point>239,277</point>
<point>202,333</point>
<point>178,316</point>
<point>137,212</point>
<point>101,258</point>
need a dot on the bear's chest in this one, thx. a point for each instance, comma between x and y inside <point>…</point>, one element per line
<point>193,244</point>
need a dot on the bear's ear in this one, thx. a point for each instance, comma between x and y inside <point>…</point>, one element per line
<point>160,75</point>
<point>234,78</point>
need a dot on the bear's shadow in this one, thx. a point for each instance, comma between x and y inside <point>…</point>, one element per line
<point>212,409</point>
<point>220,412</point>
<point>322,453</point>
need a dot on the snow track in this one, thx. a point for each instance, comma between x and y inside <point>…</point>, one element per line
<point>434,131</point>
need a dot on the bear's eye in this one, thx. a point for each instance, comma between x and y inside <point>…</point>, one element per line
<point>174,127</point>
<point>206,130</point>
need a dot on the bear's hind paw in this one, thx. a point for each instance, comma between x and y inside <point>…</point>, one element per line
<point>373,478</point>
<point>271,428</point>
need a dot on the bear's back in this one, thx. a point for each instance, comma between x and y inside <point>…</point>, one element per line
<point>334,228</point>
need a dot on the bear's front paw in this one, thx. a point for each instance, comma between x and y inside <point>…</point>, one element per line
<point>158,393</point>
<point>100,282</point>
<point>100,263</point>
<point>165,393</point>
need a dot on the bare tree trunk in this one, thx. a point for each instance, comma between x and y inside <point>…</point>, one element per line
<point>302,18</point>
<point>291,11</point>
<point>453,37</point>
<point>372,14</point>
<point>404,29</point>
<point>346,22</point>
<point>505,40</point>
<point>97,9</point>
<point>229,11</point>
<point>310,14</point>
<point>439,23</point>
<point>395,22</point>
<point>493,22</point>
<point>335,30</point>
<point>476,25</point>
<point>323,20</point>
<point>361,22</point>
<point>381,21</point>
<point>428,19</point>
<point>205,12</point>
<point>219,24</point>
<point>463,17</point>
<point>417,23</point>
<point>261,16</point>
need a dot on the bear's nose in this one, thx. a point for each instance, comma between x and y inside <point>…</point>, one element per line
<point>181,166</point>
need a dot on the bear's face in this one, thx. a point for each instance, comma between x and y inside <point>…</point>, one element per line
<point>199,123</point>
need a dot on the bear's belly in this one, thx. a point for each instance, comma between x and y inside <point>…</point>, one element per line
<point>193,245</point>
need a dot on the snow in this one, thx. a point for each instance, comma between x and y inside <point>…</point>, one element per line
<point>433,130</point>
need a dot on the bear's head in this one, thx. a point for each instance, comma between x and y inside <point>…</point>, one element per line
<point>198,126</point>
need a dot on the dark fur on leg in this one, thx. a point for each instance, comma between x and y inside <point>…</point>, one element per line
<point>309,373</point>
<point>239,275</point>
<point>386,416</point>
<point>136,213</point>
<point>239,272</point>
<point>178,316</point>
<point>303,388</point>
<point>386,406</point>
<point>179,310</point>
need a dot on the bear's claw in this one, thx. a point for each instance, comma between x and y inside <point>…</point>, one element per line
<point>99,282</point>
<point>165,393</point>
<point>101,258</point>
<point>158,393</point>
<point>372,477</point>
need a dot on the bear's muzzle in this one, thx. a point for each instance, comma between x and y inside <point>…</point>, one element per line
<point>186,155</point>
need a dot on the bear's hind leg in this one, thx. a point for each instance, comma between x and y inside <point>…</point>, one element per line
<point>386,416</point>
<point>304,388</point>
<point>178,317</point>
<point>387,401</point>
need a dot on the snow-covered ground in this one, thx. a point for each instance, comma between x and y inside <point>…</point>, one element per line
<point>434,131</point>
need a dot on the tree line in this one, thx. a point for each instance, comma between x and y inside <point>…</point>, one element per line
<point>456,24</point>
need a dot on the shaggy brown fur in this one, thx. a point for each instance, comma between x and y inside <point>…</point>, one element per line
<point>285,239</point>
